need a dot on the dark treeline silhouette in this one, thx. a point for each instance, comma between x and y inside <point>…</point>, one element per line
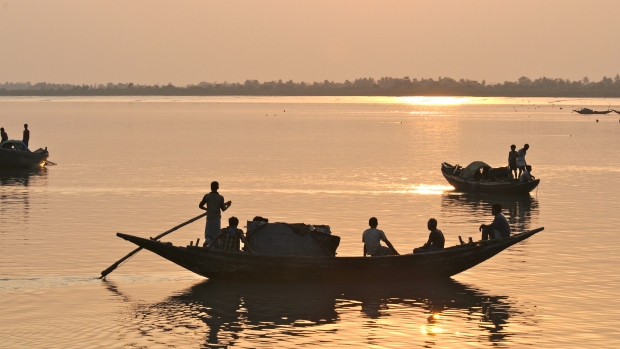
<point>386,86</point>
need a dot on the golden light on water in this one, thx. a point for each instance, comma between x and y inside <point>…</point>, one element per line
<point>425,100</point>
<point>428,189</point>
<point>430,330</point>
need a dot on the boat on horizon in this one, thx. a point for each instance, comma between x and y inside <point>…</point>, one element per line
<point>588,111</point>
<point>237,265</point>
<point>478,177</point>
<point>15,154</point>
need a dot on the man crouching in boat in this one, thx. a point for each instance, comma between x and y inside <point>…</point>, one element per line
<point>436,239</point>
<point>372,241</point>
<point>499,228</point>
<point>229,237</point>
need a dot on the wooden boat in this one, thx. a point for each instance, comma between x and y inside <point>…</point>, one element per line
<point>15,154</point>
<point>589,111</point>
<point>231,265</point>
<point>491,181</point>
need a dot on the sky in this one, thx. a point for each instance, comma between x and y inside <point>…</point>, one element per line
<point>189,41</point>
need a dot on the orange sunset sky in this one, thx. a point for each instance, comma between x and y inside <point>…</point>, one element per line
<point>189,41</point>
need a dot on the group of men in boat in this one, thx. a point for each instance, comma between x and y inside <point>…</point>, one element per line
<point>25,139</point>
<point>229,238</point>
<point>516,161</point>
<point>372,237</point>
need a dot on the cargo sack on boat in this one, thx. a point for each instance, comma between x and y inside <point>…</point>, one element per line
<point>500,173</point>
<point>291,239</point>
<point>468,172</point>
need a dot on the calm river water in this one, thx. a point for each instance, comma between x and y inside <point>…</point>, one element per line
<point>141,165</point>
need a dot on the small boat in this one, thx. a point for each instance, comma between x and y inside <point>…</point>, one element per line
<point>15,154</point>
<point>478,177</point>
<point>589,111</point>
<point>237,265</point>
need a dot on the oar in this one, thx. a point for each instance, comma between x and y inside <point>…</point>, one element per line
<point>115,265</point>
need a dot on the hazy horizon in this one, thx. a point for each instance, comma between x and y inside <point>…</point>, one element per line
<point>161,42</point>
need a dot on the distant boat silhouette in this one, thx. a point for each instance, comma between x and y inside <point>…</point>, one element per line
<point>590,111</point>
<point>490,180</point>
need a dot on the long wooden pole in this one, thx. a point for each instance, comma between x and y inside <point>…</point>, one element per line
<point>115,265</point>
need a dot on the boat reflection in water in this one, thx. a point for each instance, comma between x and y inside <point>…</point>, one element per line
<point>519,210</point>
<point>15,194</point>
<point>22,177</point>
<point>222,314</point>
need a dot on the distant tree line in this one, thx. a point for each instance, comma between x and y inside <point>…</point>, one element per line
<point>386,86</point>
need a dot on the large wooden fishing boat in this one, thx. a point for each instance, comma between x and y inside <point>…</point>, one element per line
<point>218,264</point>
<point>479,177</point>
<point>15,154</point>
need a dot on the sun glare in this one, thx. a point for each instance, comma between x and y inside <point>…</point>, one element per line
<point>425,100</point>
<point>428,189</point>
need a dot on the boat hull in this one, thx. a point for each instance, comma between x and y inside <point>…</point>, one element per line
<point>11,158</point>
<point>228,265</point>
<point>511,187</point>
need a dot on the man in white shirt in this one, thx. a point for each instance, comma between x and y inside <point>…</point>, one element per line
<point>372,241</point>
<point>521,163</point>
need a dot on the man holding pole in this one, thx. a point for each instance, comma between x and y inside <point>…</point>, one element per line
<point>215,203</point>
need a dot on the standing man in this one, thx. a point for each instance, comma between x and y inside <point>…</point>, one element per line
<point>372,241</point>
<point>499,228</point>
<point>512,161</point>
<point>521,159</point>
<point>26,135</point>
<point>215,203</point>
<point>3,135</point>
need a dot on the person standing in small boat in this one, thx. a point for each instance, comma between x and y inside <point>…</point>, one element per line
<point>3,135</point>
<point>436,240</point>
<point>372,241</point>
<point>215,205</point>
<point>512,161</point>
<point>229,237</point>
<point>521,159</point>
<point>26,137</point>
<point>499,228</point>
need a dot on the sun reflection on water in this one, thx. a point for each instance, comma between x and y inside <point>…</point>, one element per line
<point>426,100</point>
<point>427,189</point>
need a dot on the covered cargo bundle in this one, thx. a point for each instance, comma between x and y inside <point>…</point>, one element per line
<point>291,239</point>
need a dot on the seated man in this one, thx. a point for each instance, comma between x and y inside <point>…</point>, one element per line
<point>526,176</point>
<point>435,239</point>
<point>499,228</point>
<point>372,241</point>
<point>230,237</point>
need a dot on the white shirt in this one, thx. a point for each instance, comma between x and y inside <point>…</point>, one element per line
<point>372,237</point>
<point>521,157</point>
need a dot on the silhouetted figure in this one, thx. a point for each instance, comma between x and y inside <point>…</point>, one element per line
<point>372,241</point>
<point>526,176</point>
<point>229,237</point>
<point>215,205</point>
<point>499,228</point>
<point>521,163</point>
<point>26,137</point>
<point>435,241</point>
<point>3,135</point>
<point>512,161</point>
